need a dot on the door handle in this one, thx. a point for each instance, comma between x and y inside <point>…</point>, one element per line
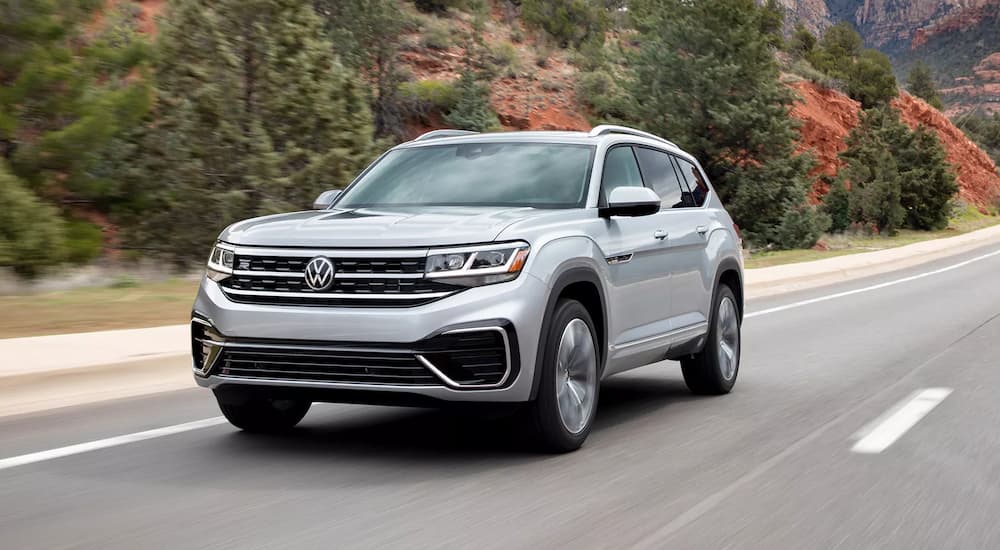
<point>660,234</point>
<point>701,229</point>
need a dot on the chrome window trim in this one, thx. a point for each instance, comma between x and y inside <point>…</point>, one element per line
<point>451,383</point>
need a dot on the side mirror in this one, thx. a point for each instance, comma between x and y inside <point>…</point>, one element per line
<point>325,199</point>
<point>631,201</point>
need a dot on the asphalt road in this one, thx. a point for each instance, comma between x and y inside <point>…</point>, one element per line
<point>768,466</point>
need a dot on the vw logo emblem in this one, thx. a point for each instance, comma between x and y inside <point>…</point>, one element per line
<point>319,273</point>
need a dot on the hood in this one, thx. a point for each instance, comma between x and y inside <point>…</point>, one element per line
<point>386,228</point>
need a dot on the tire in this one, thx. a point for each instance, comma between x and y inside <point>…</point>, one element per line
<point>713,370</point>
<point>563,411</point>
<point>264,415</point>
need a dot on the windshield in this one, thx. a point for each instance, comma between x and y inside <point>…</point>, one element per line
<point>476,174</point>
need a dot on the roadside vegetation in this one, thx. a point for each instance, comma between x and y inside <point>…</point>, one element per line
<point>122,304</point>
<point>964,219</point>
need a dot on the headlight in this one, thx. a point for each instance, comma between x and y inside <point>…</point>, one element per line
<point>220,262</point>
<point>478,265</point>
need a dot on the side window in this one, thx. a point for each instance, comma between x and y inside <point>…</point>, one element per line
<point>696,183</point>
<point>620,170</point>
<point>658,173</point>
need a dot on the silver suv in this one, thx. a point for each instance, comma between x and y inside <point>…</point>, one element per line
<point>511,268</point>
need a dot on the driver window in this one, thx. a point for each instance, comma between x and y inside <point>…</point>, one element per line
<point>620,170</point>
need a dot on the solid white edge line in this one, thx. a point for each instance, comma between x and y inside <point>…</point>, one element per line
<point>109,442</point>
<point>880,437</point>
<point>871,288</point>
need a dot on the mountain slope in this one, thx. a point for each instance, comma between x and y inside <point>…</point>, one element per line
<point>956,37</point>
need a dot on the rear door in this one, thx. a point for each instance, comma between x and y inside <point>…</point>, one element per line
<point>691,286</point>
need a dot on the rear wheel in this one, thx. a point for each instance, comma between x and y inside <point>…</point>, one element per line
<point>563,412</point>
<point>713,370</point>
<point>263,414</point>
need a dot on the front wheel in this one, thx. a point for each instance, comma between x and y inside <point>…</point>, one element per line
<point>713,370</point>
<point>263,414</point>
<point>563,412</point>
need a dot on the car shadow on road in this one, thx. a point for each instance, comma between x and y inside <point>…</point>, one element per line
<point>376,433</point>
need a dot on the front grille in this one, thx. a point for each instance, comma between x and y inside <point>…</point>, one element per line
<point>324,365</point>
<point>473,358</point>
<point>340,286</point>
<point>369,281</point>
<point>297,264</point>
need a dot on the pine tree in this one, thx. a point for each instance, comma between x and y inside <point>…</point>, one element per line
<point>366,34</point>
<point>896,177</point>
<point>705,76</point>
<point>32,235</point>
<point>472,110</point>
<point>920,82</point>
<point>255,115</point>
<point>802,44</point>
<point>66,93</point>
<point>870,80</point>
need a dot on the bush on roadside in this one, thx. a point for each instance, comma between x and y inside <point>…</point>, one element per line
<point>801,226</point>
<point>32,235</point>
<point>84,241</point>
<point>602,92</point>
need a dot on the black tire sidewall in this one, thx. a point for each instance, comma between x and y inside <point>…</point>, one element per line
<point>714,337</point>
<point>554,435</point>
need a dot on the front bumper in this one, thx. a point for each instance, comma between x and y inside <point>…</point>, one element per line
<point>516,307</point>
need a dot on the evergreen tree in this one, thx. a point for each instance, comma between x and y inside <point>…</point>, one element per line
<point>705,76</point>
<point>870,80</point>
<point>366,35</point>
<point>839,47</point>
<point>896,177</point>
<point>32,235</point>
<point>255,115</point>
<point>802,44</point>
<point>472,110</point>
<point>984,130</point>
<point>64,95</point>
<point>569,22</point>
<point>920,82</point>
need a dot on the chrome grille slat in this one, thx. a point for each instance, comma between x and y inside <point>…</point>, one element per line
<point>362,278</point>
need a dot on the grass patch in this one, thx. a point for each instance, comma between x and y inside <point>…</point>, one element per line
<point>117,306</point>
<point>966,220</point>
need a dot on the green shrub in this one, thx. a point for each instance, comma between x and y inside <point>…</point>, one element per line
<point>517,36</point>
<point>601,91</point>
<point>472,111</point>
<point>32,235</point>
<point>503,58</point>
<point>836,205</point>
<point>439,94</point>
<point>84,241</point>
<point>436,37</point>
<point>870,80</point>
<point>803,68</point>
<point>801,226</point>
<point>569,22</point>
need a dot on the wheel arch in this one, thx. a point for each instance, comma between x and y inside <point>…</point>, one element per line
<point>584,285</point>
<point>730,274</point>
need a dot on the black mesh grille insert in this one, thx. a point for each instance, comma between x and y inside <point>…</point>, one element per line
<point>321,365</point>
<point>469,358</point>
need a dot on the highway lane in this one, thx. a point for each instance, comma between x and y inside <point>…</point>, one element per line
<point>769,466</point>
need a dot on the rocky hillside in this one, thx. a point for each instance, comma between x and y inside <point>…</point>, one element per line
<point>828,116</point>
<point>960,39</point>
<point>536,85</point>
